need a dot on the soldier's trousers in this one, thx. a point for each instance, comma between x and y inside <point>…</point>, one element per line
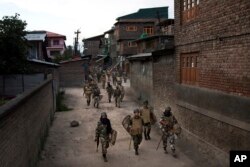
<point>147,129</point>
<point>122,95</point>
<point>118,101</point>
<point>105,145</point>
<point>109,96</point>
<point>168,138</point>
<point>103,84</point>
<point>137,140</point>
<point>88,97</point>
<point>96,101</point>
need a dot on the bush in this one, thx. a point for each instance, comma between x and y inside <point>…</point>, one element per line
<point>60,106</point>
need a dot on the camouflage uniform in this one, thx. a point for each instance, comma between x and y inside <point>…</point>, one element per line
<point>103,132</point>
<point>117,96</point>
<point>110,90</point>
<point>167,123</point>
<point>145,112</point>
<point>122,90</point>
<point>96,96</point>
<point>136,123</point>
<point>103,79</point>
<point>88,92</point>
<point>114,77</point>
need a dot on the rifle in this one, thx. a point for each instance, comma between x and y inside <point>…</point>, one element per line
<point>159,143</point>
<point>97,143</point>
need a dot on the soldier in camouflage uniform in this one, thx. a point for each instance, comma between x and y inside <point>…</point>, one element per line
<point>103,133</point>
<point>117,96</point>
<point>87,91</point>
<point>103,79</point>
<point>136,123</point>
<point>145,112</point>
<point>121,89</point>
<point>96,96</point>
<point>110,90</point>
<point>167,123</point>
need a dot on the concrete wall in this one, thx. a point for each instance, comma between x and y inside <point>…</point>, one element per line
<point>71,74</point>
<point>24,123</point>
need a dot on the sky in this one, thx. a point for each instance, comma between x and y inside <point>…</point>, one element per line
<point>91,17</point>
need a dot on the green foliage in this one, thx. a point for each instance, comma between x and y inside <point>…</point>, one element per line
<point>13,46</point>
<point>67,55</point>
<point>59,103</point>
<point>2,101</point>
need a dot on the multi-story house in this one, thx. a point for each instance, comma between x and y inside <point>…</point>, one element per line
<point>111,42</point>
<point>55,44</point>
<point>45,45</point>
<point>92,46</point>
<point>132,26</point>
<point>212,41</point>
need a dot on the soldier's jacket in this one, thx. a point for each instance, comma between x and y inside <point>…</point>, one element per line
<point>96,92</point>
<point>117,92</point>
<point>145,114</point>
<point>167,123</point>
<point>103,78</point>
<point>122,89</point>
<point>136,126</point>
<point>87,90</point>
<point>109,89</point>
<point>103,130</point>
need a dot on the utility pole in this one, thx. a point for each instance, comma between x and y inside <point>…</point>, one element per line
<point>76,41</point>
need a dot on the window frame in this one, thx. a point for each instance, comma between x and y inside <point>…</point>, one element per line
<point>131,28</point>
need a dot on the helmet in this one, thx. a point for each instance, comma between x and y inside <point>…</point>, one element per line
<point>145,102</point>
<point>167,112</point>
<point>136,110</point>
<point>104,114</point>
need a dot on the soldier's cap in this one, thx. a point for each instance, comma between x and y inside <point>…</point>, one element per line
<point>136,110</point>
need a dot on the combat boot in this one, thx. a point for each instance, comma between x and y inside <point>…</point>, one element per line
<point>104,157</point>
<point>165,150</point>
<point>148,135</point>
<point>136,151</point>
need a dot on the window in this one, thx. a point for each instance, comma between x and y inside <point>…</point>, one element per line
<point>132,44</point>
<point>55,42</point>
<point>131,28</point>
<point>189,68</point>
<point>190,10</point>
<point>148,30</point>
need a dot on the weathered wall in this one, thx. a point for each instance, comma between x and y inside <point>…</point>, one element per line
<point>163,81</point>
<point>71,73</point>
<point>215,113</point>
<point>141,80</point>
<point>24,123</point>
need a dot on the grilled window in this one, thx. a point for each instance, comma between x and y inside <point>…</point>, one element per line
<point>190,10</point>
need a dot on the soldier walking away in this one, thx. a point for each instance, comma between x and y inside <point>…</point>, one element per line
<point>103,134</point>
<point>170,128</point>
<point>103,79</point>
<point>110,90</point>
<point>121,89</point>
<point>114,75</point>
<point>87,91</point>
<point>117,96</point>
<point>145,113</point>
<point>136,123</point>
<point>96,96</point>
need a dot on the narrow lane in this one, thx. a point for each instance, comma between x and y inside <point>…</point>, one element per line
<point>75,147</point>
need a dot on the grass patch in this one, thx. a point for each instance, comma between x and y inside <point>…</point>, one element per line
<point>3,101</point>
<point>60,106</point>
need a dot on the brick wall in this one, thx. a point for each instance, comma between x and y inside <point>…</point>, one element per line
<point>163,81</point>
<point>221,35</point>
<point>71,74</point>
<point>214,113</point>
<point>24,123</point>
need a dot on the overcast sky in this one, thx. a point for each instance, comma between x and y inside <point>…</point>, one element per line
<point>92,17</point>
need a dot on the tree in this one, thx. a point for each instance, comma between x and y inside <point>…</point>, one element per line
<point>13,46</point>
